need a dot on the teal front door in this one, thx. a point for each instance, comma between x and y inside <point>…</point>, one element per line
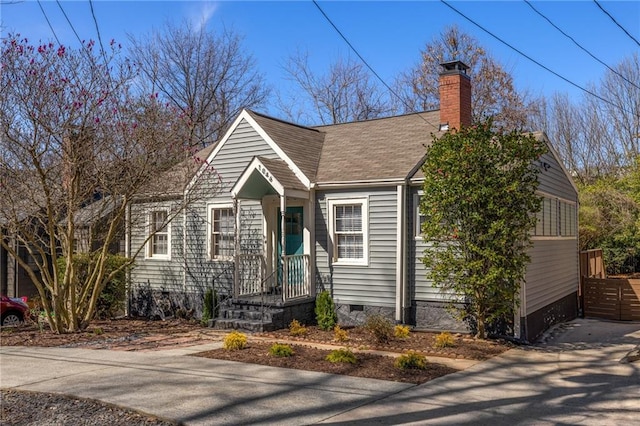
<point>294,225</point>
<point>294,245</point>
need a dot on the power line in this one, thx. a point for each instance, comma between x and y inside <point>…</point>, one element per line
<point>366,63</point>
<point>95,21</point>
<point>579,45</point>
<point>46,18</point>
<point>616,22</point>
<point>69,21</point>
<point>531,59</point>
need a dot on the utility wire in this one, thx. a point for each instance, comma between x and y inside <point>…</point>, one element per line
<point>579,45</point>
<point>364,61</point>
<point>46,18</point>
<point>95,21</point>
<point>69,21</point>
<point>616,22</point>
<point>531,59</point>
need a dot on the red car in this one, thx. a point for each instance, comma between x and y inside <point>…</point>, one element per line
<point>13,311</point>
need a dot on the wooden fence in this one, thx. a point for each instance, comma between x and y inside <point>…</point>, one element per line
<point>615,299</point>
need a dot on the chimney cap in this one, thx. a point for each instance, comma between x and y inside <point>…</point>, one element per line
<point>456,67</point>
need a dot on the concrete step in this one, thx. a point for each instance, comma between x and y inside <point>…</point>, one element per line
<point>248,315</point>
<point>242,324</point>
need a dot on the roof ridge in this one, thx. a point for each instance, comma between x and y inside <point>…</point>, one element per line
<point>280,120</point>
<point>419,113</point>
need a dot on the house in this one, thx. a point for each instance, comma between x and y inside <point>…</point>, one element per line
<point>347,198</point>
<point>14,280</point>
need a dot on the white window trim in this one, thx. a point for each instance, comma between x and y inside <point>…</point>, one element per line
<point>210,208</point>
<point>417,232</point>
<point>148,249</point>
<point>557,199</point>
<point>331,203</point>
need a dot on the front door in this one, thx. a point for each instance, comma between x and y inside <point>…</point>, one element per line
<point>294,243</point>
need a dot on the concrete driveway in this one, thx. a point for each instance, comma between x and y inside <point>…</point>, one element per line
<point>574,378</point>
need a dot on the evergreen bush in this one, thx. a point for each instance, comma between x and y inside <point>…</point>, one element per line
<point>326,311</point>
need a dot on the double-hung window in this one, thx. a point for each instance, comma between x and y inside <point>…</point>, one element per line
<point>349,230</point>
<point>556,218</point>
<point>159,243</point>
<point>222,233</point>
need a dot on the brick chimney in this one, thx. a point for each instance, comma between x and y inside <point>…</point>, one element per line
<point>455,96</point>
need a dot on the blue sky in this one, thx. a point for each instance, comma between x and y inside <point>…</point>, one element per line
<point>389,35</point>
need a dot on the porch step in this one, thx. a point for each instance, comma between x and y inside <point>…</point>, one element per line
<point>248,315</point>
<point>261,315</point>
<point>265,316</point>
<point>243,324</point>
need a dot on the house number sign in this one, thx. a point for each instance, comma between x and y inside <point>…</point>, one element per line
<point>265,172</point>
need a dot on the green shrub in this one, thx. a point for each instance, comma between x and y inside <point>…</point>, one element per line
<point>297,329</point>
<point>444,340</point>
<point>380,327</point>
<point>209,306</point>
<point>342,355</point>
<point>281,350</point>
<point>411,360</point>
<point>340,335</point>
<point>325,311</point>
<point>112,299</point>
<point>235,341</point>
<point>401,331</point>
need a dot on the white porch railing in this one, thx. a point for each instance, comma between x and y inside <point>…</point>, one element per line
<point>251,273</point>
<point>293,280</point>
<point>296,278</point>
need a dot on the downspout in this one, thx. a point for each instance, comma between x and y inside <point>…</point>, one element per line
<point>400,250</point>
<point>184,244</point>
<point>127,254</point>
<point>407,234</point>
<point>236,249</point>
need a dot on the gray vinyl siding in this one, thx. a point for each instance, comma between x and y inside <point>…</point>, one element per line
<point>374,284</point>
<point>552,273</point>
<point>422,288</point>
<point>198,272</point>
<point>236,154</point>
<point>158,273</point>
<point>553,179</point>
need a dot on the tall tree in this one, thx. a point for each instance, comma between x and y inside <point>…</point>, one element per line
<point>598,138</point>
<point>72,130</point>
<point>207,75</point>
<point>346,92</point>
<point>493,91</point>
<point>479,205</point>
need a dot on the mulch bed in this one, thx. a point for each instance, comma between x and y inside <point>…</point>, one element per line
<point>312,359</point>
<point>465,346</point>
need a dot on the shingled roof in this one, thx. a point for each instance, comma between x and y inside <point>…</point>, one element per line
<point>379,149</point>
<point>303,145</point>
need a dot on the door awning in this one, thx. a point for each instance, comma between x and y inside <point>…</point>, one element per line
<point>264,176</point>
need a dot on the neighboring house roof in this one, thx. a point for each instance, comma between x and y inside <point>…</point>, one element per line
<point>172,182</point>
<point>379,149</point>
<point>303,145</point>
<point>95,211</point>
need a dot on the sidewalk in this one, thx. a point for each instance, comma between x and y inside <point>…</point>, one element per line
<point>575,378</point>
<point>193,390</point>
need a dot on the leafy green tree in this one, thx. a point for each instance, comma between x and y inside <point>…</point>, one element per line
<point>479,203</point>
<point>610,218</point>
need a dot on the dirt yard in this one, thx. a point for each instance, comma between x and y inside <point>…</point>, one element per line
<point>374,360</point>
